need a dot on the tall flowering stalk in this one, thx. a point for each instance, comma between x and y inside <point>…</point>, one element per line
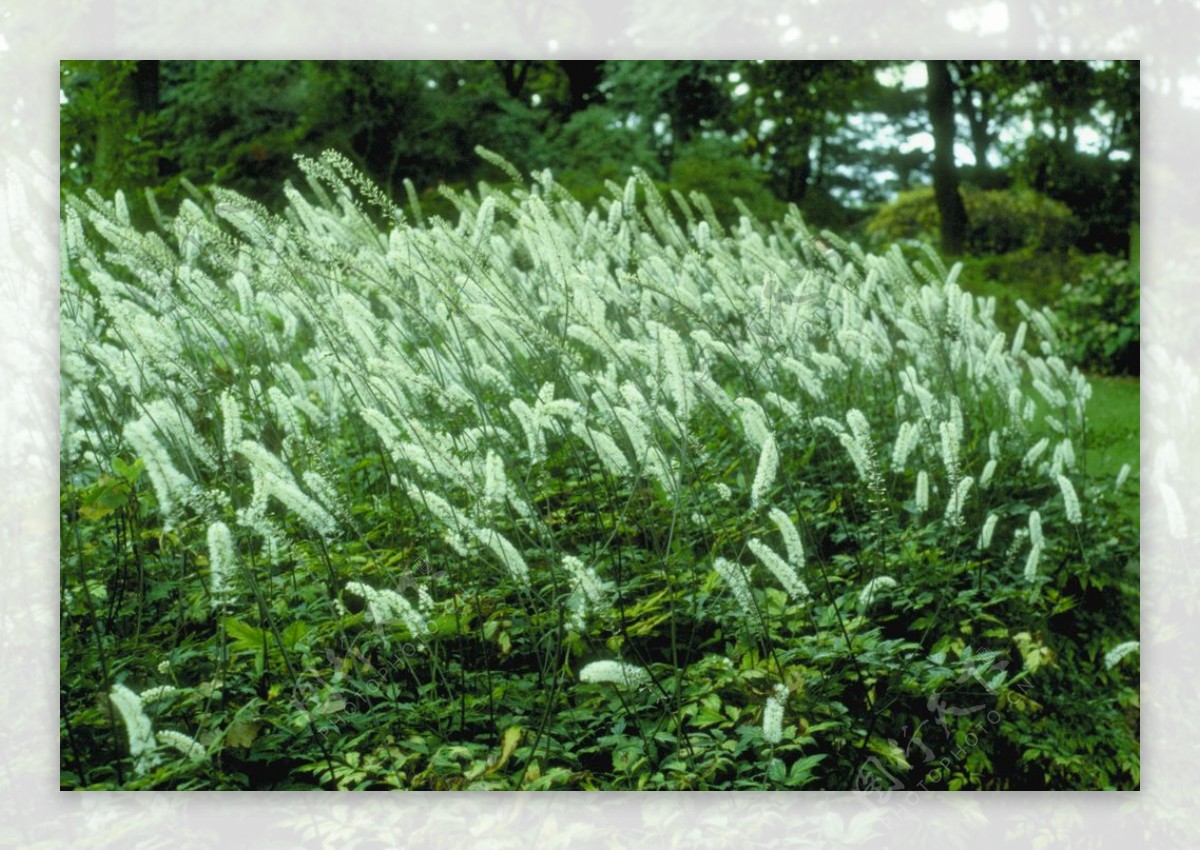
<point>783,572</point>
<point>222,564</point>
<point>618,673</point>
<point>773,715</point>
<point>1031,562</point>
<point>183,743</point>
<point>273,479</point>
<point>385,606</point>
<point>958,499</point>
<point>1070,500</point>
<point>588,594</point>
<point>138,726</point>
<point>861,449</point>
<point>735,577</point>
<point>791,537</point>
<point>764,476</point>
<point>989,528</point>
<point>1114,656</point>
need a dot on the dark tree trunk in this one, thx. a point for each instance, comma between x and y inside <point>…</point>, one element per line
<point>145,86</point>
<point>794,173</point>
<point>513,73</point>
<point>137,94</point>
<point>798,176</point>
<point>951,211</point>
<point>980,138</point>
<point>818,163</point>
<point>583,82</point>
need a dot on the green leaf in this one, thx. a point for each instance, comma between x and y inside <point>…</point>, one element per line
<point>294,633</point>
<point>129,472</point>
<point>241,734</point>
<point>107,495</point>
<point>890,752</point>
<point>250,637</point>
<point>802,768</point>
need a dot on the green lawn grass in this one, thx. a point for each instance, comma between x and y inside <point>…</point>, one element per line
<point>1113,438</point>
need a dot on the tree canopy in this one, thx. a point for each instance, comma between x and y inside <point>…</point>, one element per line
<point>837,138</point>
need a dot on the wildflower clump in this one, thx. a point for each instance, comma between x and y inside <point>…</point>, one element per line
<point>529,432</point>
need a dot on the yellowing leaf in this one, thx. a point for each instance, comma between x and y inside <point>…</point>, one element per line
<point>241,734</point>
<point>1034,654</point>
<point>210,688</point>
<point>1018,701</point>
<point>647,625</point>
<point>332,705</point>
<point>104,497</point>
<point>891,752</point>
<point>508,744</point>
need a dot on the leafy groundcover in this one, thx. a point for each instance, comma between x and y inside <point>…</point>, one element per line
<point>556,497</point>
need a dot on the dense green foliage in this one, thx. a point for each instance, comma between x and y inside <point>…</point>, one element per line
<point>379,493</point>
<point>1101,314</point>
<point>835,130</point>
<point>999,221</point>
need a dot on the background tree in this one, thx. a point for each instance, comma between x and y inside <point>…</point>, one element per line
<point>672,102</point>
<point>837,138</point>
<point>792,110</point>
<point>952,213</point>
<point>111,133</point>
<point>1101,187</point>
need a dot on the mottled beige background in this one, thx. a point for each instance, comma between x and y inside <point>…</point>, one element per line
<point>35,34</point>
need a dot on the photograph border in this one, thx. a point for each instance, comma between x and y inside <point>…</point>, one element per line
<point>34,37</point>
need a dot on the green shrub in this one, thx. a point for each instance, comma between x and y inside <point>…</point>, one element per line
<point>595,146</point>
<point>1026,275</point>
<point>723,175</point>
<point>1101,315</point>
<point>999,221</point>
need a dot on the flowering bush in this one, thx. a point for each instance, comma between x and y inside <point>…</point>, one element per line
<point>639,500</point>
